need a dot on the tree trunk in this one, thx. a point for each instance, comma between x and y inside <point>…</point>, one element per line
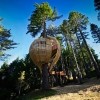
<point>45,74</point>
<point>44,30</point>
<point>68,58</point>
<point>84,61</point>
<point>62,62</point>
<point>74,76</point>
<point>45,81</point>
<point>77,67</point>
<point>91,56</point>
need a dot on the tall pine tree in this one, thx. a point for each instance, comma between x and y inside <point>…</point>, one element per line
<point>5,42</point>
<point>97,7</point>
<point>95,31</point>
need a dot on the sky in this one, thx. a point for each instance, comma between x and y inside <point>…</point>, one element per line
<point>15,14</point>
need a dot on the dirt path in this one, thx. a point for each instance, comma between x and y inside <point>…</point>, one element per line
<point>90,90</point>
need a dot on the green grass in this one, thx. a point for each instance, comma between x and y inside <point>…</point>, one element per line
<point>37,95</point>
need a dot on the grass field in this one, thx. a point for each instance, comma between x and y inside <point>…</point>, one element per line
<point>38,94</point>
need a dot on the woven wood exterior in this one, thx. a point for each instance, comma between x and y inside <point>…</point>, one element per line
<point>45,50</point>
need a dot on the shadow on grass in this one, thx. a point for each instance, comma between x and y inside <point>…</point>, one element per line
<point>37,95</point>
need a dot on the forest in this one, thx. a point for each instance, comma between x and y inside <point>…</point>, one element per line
<point>78,60</point>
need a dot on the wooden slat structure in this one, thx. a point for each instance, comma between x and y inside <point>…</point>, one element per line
<point>45,50</point>
<point>61,73</point>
